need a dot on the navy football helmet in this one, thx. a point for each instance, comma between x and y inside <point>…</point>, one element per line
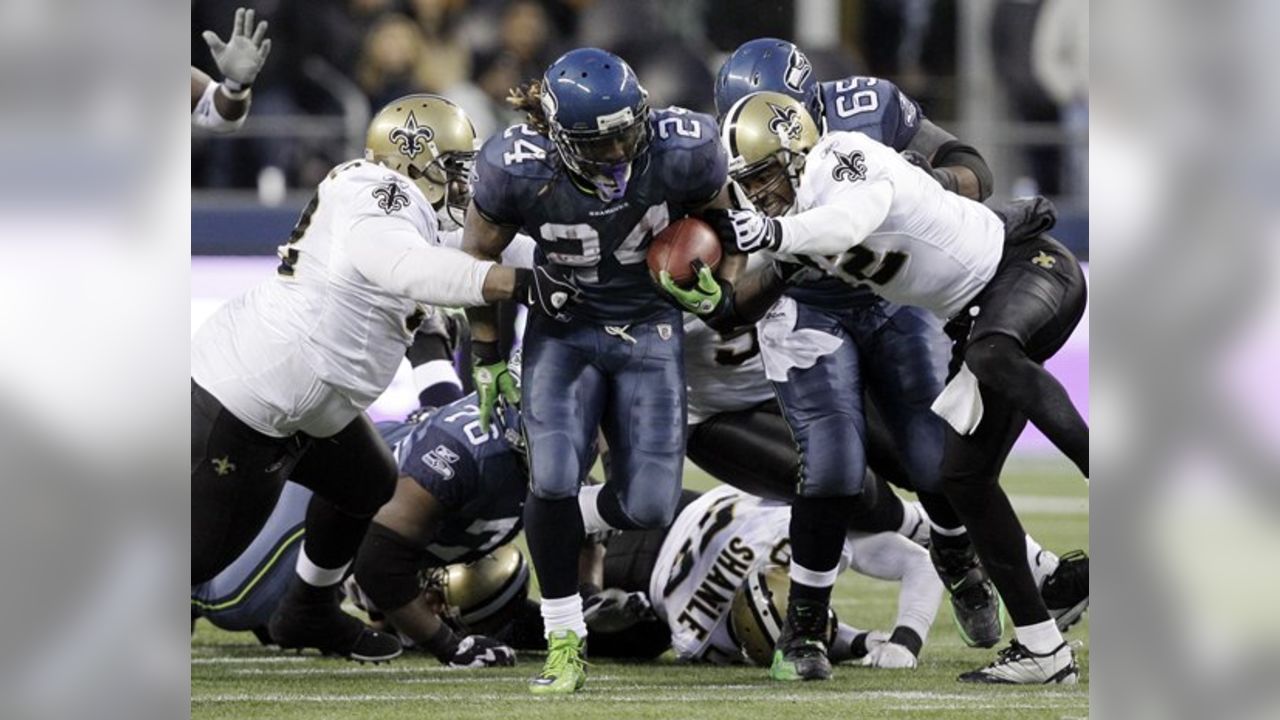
<point>598,116</point>
<point>767,64</point>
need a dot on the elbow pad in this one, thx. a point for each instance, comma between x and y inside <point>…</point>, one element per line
<point>387,568</point>
<point>957,154</point>
<point>206,114</point>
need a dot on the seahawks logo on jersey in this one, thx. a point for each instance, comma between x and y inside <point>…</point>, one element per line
<point>412,137</point>
<point>785,122</point>
<point>441,460</point>
<point>391,198</point>
<point>798,69</point>
<point>850,166</point>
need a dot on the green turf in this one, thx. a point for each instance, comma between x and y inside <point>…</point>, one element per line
<point>233,677</point>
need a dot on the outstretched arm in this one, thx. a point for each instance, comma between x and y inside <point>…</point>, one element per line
<point>957,166</point>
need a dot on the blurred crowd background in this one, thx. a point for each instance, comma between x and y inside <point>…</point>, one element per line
<point>1009,76</point>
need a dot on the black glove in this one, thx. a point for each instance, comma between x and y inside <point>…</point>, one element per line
<point>473,651</point>
<point>748,230</point>
<point>549,288</point>
<point>945,178</point>
<point>478,651</point>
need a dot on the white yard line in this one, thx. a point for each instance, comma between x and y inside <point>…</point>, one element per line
<point>919,700</point>
<point>1050,504</point>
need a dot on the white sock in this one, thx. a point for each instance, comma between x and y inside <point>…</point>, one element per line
<point>813,578</point>
<point>588,504</point>
<point>1041,638</point>
<point>1043,562</point>
<point>435,372</point>
<point>563,614</point>
<point>949,532</point>
<point>913,516</point>
<point>316,576</point>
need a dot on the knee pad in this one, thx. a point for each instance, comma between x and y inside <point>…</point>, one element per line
<point>837,463</point>
<point>638,510</point>
<point>994,359</point>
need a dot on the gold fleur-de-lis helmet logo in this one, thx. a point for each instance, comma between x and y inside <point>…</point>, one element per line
<point>411,137</point>
<point>785,122</point>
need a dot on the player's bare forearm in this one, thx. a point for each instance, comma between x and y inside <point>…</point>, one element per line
<point>416,620</point>
<point>199,83</point>
<point>966,181</point>
<point>486,241</point>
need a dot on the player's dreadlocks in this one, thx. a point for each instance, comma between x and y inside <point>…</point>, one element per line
<point>528,98</point>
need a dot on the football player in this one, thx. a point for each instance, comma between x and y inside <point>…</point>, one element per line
<point>281,375</point>
<point>689,575</point>
<point>591,177</point>
<point>897,353</point>
<point>223,106</point>
<point>458,499</point>
<point>857,210</point>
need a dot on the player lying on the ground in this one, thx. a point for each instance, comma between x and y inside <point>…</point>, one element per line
<point>282,375</point>
<point>857,210</point>
<point>223,106</point>
<point>690,574</point>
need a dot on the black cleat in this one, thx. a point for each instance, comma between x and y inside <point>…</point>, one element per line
<point>974,601</point>
<point>1066,591</point>
<point>801,653</point>
<point>325,627</point>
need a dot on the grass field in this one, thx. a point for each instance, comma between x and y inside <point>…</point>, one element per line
<point>233,677</point>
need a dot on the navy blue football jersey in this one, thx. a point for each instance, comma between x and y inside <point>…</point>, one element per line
<point>519,180</point>
<point>876,108</point>
<point>476,476</point>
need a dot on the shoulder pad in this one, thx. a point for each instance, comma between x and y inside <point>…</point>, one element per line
<point>518,151</point>
<point>678,128</point>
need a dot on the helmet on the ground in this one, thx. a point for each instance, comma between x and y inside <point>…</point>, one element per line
<point>767,136</point>
<point>758,611</point>
<point>766,64</point>
<point>598,117</point>
<point>432,141</point>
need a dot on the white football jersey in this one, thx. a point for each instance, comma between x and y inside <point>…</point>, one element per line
<point>723,373</point>
<point>723,536</point>
<point>318,338</point>
<point>934,249</point>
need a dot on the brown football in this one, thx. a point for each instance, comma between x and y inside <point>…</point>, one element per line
<point>677,246</point>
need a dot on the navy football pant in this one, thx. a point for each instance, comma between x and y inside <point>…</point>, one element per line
<point>630,384</point>
<point>243,596</point>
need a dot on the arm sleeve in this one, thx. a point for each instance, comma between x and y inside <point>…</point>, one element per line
<point>520,252</point>
<point>391,253</point>
<point>206,114</point>
<point>844,222</point>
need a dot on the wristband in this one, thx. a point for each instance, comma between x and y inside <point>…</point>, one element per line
<point>485,352</point>
<point>234,90</point>
<point>443,643</point>
<point>907,638</point>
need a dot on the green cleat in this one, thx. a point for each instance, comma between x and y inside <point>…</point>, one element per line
<point>565,671</point>
<point>801,653</point>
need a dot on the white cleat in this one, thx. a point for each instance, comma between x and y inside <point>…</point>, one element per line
<point>1016,665</point>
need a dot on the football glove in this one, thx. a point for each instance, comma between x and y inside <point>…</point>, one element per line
<point>478,651</point>
<point>701,299</point>
<point>492,379</point>
<point>889,655</point>
<point>613,610</point>
<point>749,230</point>
<point>549,288</point>
<point>241,58</point>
